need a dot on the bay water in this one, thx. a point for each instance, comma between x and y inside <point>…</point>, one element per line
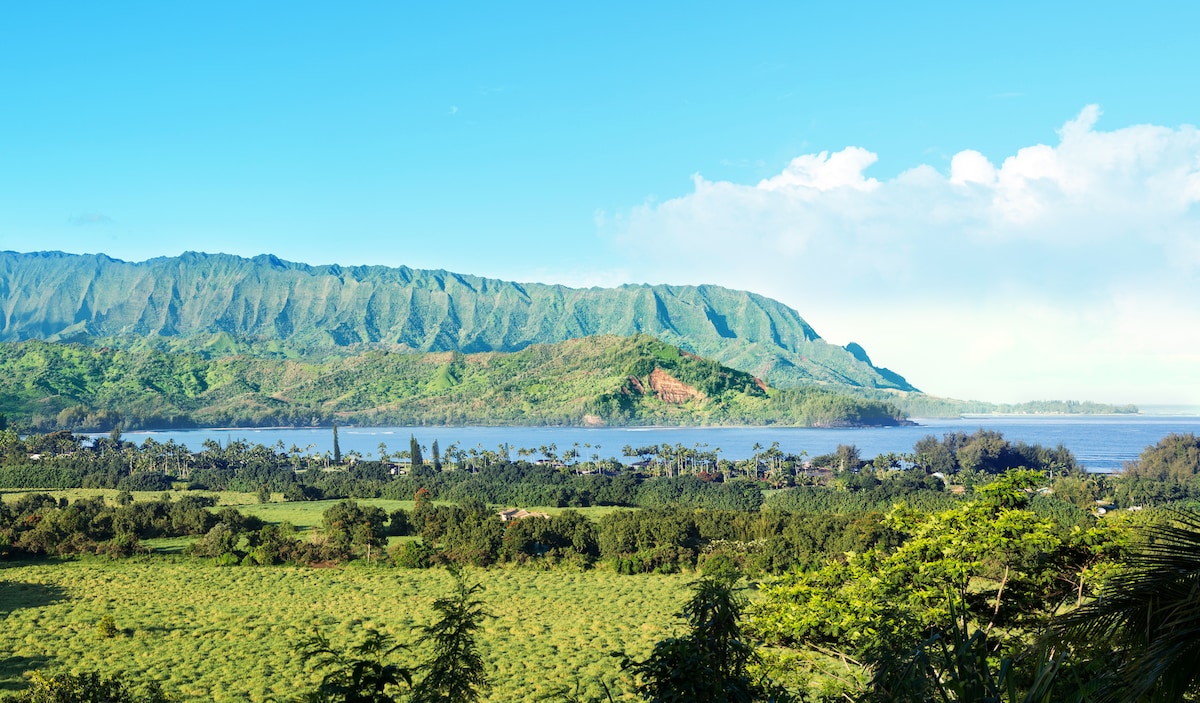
<point>1102,443</point>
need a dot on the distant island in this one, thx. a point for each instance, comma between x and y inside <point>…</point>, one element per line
<point>923,405</point>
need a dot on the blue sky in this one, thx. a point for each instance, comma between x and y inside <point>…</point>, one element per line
<point>676,143</point>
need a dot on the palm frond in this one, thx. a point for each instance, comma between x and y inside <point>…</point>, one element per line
<point>1146,619</point>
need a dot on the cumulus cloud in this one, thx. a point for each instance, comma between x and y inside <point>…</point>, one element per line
<point>823,172</point>
<point>1071,243</point>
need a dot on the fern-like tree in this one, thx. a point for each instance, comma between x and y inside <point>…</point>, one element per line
<point>711,662</point>
<point>361,674</point>
<point>455,672</point>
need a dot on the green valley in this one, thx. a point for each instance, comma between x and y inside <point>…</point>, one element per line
<point>595,380</point>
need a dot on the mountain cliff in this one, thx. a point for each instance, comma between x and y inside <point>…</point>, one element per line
<point>220,304</point>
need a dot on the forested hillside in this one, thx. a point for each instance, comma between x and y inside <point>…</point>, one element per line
<point>220,304</point>
<point>596,380</point>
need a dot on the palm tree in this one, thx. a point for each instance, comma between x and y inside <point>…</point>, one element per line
<point>757,449</point>
<point>1145,625</point>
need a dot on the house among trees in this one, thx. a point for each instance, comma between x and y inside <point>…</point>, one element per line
<point>518,514</point>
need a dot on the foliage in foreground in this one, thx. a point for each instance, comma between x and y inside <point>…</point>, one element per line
<point>996,561</point>
<point>1146,621</point>
<point>88,688</point>
<point>1137,642</point>
<point>954,667</point>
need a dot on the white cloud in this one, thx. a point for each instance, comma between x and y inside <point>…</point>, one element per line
<point>821,172</point>
<point>1043,275</point>
<point>972,167</point>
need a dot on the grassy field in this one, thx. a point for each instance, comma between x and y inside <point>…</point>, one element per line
<point>228,634</point>
<point>73,494</point>
<point>308,514</point>
<point>303,515</point>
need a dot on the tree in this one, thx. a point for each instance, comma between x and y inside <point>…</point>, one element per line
<point>414,451</point>
<point>220,540</point>
<point>708,664</point>
<point>347,524</point>
<point>848,457</point>
<point>337,450</point>
<point>994,561</point>
<point>437,457</point>
<point>1146,623</point>
<point>1175,458</point>
<point>952,667</point>
<point>455,672</point>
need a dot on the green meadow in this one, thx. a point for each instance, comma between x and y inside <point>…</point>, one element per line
<point>301,514</point>
<point>229,634</point>
<point>223,498</point>
<point>308,514</point>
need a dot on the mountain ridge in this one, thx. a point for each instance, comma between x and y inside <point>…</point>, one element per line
<point>266,305</point>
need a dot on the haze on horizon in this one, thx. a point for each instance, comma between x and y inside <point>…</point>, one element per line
<point>999,203</point>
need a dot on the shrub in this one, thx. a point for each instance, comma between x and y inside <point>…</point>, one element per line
<point>411,555</point>
<point>220,540</point>
<point>88,688</point>
<point>107,627</point>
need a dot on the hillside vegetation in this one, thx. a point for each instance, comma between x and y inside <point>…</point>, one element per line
<point>220,304</point>
<point>596,380</point>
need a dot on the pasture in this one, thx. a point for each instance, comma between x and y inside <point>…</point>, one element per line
<point>301,514</point>
<point>229,634</point>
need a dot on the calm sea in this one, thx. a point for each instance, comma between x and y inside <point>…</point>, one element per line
<point>1100,442</point>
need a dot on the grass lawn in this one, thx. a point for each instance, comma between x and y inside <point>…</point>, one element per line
<point>228,634</point>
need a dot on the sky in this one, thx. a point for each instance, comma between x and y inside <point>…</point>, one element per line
<point>999,201</point>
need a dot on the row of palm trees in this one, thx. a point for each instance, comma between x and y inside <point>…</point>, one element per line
<point>170,457</point>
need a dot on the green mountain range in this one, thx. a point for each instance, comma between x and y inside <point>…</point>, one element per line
<point>217,304</point>
<point>589,381</point>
